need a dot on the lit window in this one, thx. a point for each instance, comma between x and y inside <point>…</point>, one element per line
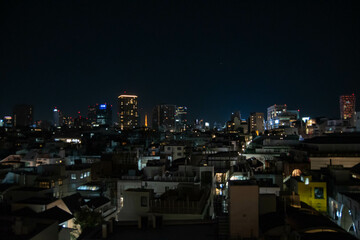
<point>121,202</point>
<point>82,176</point>
<point>44,184</point>
<point>73,176</point>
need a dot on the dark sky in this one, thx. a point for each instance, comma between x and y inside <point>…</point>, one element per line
<point>214,57</point>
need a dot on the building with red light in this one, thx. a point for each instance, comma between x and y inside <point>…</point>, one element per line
<point>347,107</point>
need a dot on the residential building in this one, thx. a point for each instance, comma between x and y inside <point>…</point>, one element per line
<point>256,123</point>
<point>347,108</point>
<point>128,112</point>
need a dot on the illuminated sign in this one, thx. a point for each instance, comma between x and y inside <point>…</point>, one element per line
<point>102,106</point>
<point>127,96</point>
<point>305,119</point>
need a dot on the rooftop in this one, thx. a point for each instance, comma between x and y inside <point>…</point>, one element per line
<point>344,138</point>
<point>37,201</point>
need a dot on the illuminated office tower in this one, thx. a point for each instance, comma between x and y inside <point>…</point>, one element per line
<point>347,107</point>
<point>99,115</point>
<point>23,115</point>
<point>104,114</point>
<point>128,111</point>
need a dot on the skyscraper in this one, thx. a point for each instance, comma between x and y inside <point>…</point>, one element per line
<point>99,114</point>
<point>181,119</point>
<point>23,115</point>
<point>164,117</point>
<point>347,107</point>
<point>58,118</point>
<point>128,111</point>
<point>91,115</point>
<point>104,114</point>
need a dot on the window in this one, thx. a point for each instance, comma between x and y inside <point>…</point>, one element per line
<point>319,193</point>
<point>60,182</point>
<point>144,201</point>
<point>81,176</point>
<point>44,184</point>
<point>73,176</point>
<point>121,201</point>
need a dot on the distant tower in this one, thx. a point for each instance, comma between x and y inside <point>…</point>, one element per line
<point>347,107</point>
<point>128,111</point>
<point>23,115</point>
<point>181,119</point>
<point>164,117</point>
<point>104,114</point>
<point>146,123</point>
<point>57,117</point>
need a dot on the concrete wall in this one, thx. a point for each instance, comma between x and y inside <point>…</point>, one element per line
<point>133,208</point>
<point>244,211</point>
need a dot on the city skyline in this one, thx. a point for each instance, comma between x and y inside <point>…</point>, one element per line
<point>213,58</point>
<point>180,119</point>
<point>83,110</point>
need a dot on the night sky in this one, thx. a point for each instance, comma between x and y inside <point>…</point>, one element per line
<point>213,57</point>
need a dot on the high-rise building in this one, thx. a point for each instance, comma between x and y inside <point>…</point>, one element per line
<point>23,115</point>
<point>163,118</point>
<point>279,117</point>
<point>181,119</point>
<point>91,115</point>
<point>256,123</point>
<point>128,111</point>
<point>104,114</point>
<point>58,117</point>
<point>347,107</point>
<point>99,114</point>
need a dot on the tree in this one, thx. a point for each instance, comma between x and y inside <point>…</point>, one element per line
<point>87,218</point>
